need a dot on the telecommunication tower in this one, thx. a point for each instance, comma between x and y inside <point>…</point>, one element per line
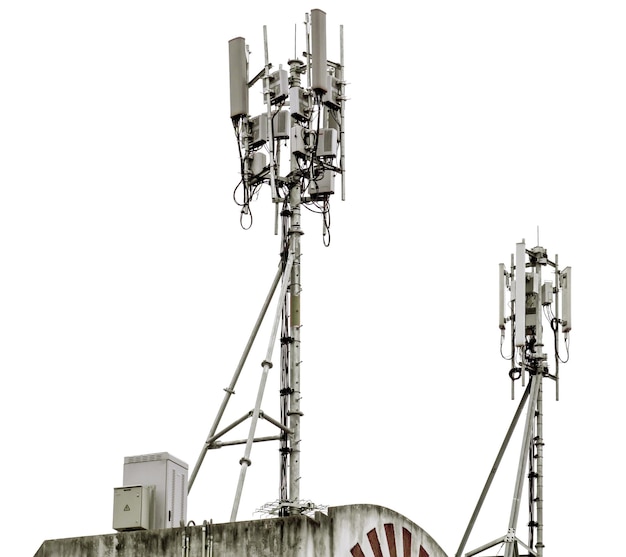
<point>303,122</point>
<point>531,302</point>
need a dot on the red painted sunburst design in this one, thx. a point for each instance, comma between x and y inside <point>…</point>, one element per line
<point>390,540</point>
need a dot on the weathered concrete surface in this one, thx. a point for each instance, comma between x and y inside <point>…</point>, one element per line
<point>348,531</point>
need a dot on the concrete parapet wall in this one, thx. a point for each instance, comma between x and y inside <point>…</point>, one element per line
<point>348,531</point>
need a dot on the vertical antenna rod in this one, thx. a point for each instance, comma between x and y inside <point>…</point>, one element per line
<point>342,128</point>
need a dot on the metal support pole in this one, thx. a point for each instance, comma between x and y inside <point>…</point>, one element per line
<point>539,455</point>
<point>492,474</point>
<point>270,126</point>
<point>290,466</point>
<point>294,333</point>
<point>267,364</point>
<point>534,383</point>
<point>231,388</point>
<point>342,139</point>
<point>541,256</point>
<point>557,313</point>
<point>283,487</point>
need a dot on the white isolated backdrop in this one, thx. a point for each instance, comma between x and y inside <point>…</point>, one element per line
<point>128,288</point>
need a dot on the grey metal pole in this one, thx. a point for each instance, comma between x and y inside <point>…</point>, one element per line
<point>539,447</point>
<point>283,480</point>
<point>492,474</point>
<point>268,103</point>
<point>295,231</point>
<point>267,364</point>
<point>294,362</point>
<point>539,405</point>
<point>231,388</point>
<point>342,140</point>
<point>557,289</point>
<point>535,382</point>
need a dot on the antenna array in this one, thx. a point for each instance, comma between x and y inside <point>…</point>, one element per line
<point>303,122</point>
<point>306,124</point>
<point>531,302</point>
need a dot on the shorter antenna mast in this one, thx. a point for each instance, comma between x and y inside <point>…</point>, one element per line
<point>531,300</point>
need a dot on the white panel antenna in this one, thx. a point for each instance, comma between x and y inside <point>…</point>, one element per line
<point>238,77</point>
<point>319,63</point>
<point>566,285</point>
<point>502,275</point>
<point>520,294</point>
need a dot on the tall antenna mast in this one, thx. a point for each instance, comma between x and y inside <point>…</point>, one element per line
<point>304,122</point>
<point>531,301</point>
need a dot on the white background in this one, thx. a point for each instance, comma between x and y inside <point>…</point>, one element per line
<point>128,289</point>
